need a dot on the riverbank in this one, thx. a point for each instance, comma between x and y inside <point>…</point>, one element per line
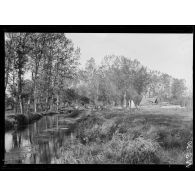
<point>144,137</point>
<point>148,136</point>
<point>12,120</point>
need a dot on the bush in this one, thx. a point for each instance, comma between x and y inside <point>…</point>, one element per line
<point>173,156</point>
<point>183,101</point>
<point>94,129</point>
<point>170,138</point>
<point>127,151</point>
<point>141,151</point>
<point>21,119</point>
<point>81,154</point>
<point>89,135</point>
<point>9,123</point>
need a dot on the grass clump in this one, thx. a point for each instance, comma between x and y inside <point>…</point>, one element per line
<point>122,149</point>
<point>141,151</point>
<point>97,129</point>
<point>170,138</point>
<point>81,154</point>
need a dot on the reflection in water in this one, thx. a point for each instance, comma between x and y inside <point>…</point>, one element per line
<point>8,141</point>
<point>39,142</point>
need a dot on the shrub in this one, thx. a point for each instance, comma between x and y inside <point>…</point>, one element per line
<point>173,156</point>
<point>21,119</point>
<point>170,138</point>
<point>9,123</point>
<point>99,131</point>
<point>122,149</point>
<point>81,154</point>
<point>140,151</point>
<point>89,135</point>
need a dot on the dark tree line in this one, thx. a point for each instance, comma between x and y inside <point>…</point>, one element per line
<point>118,80</point>
<point>52,61</point>
<point>55,79</point>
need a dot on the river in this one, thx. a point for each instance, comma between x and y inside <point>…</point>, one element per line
<point>40,142</point>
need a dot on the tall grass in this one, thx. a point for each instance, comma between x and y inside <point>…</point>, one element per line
<point>121,140</point>
<point>117,150</point>
<point>122,149</point>
<point>169,138</point>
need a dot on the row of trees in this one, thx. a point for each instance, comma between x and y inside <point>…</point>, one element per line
<point>119,79</point>
<point>52,61</point>
<point>50,58</point>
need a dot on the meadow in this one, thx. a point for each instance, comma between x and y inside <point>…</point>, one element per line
<point>151,135</point>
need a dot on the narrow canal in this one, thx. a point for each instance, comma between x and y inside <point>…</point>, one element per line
<point>40,142</point>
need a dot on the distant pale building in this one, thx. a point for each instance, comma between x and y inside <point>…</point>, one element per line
<point>149,101</point>
<point>132,104</point>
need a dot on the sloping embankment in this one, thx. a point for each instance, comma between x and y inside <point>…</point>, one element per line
<point>23,119</point>
<point>122,138</point>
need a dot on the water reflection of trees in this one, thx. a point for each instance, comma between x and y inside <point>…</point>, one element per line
<point>16,139</point>
<point>46,144</point>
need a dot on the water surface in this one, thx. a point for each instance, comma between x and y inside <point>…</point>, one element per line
<point>40,142</point>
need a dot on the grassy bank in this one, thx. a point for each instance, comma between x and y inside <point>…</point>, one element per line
<point>136,138</point>
<point>12,120</point>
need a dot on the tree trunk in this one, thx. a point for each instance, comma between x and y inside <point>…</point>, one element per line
<point>42,107</point>
<point>7,73</point>
<point>35,98</point>
<point>28,105</point>
<point>46,122</point>
<point>124,100</point>
<point>21,105</point>
<point>35,84</point>
<point>15,105</point>
<point>20,99</point>
<point>58,102</point>
<point>52,105</point>
<point>47,100</point>
<point>130,105</point>
<point>6,81</point>
<point>35,104</point>
<point>20,91</point>
<point>97,93</point>
<point>57,125</point>
<point>46,103</point>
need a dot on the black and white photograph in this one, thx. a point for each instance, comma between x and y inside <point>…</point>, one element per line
<point>98,98</point>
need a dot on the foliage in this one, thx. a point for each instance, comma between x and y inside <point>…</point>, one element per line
<point>178,88</point>
<point>118,140</point>
<point>170,138</point>
<point>50,58</point>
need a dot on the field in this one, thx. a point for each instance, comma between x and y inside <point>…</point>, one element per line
<point>151,135</point>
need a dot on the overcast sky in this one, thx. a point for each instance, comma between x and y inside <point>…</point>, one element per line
<point>168,53</point>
